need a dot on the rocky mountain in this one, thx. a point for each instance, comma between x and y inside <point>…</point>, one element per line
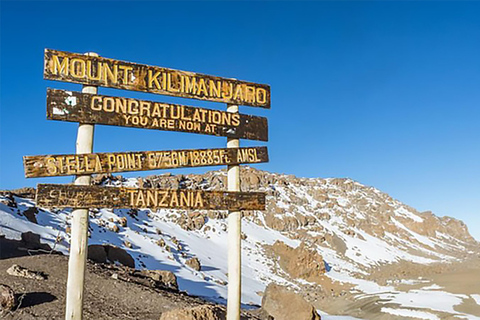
<point>347,248</point>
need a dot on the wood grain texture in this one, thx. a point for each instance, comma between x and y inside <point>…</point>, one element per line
<point>95,163</point>
<point>118,111</point>
<point>98,71</point>
<point>75,196</point>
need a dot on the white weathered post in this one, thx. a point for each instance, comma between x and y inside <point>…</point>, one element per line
<point>234,238</point>
<point>79,236</point>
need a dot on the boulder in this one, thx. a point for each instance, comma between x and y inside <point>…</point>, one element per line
<point>205,312</point>
<point>300,262</point>
<point>18,271</point>
<point>166,278</point>
<point>107,253</point>
<point>194,263</point>
<point>123,221</point>
<point>7,298</point>
<point>115,254</point>
<point>284,304</point>
<point>32,241</point>
<point>97,253</point>
<point>30,214</point>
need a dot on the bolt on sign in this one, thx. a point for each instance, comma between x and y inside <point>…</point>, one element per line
<point>75,196</point>
<point>95,163</point>
<point>98,71</point>
<point>116,111</point>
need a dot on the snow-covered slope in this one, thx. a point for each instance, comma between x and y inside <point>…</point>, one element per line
<point>358,230</point>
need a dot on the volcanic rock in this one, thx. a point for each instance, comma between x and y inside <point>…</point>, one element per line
<point>194,263</point>
<point>300,262</point>
<point>165,277</point>
<point>7,298</point>
<point>284,304</point>
<point>205,312</point>
<point>30,214</point>
<point>108,253</point>
<point>18,271</point>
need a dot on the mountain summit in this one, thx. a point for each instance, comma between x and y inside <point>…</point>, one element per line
<point>346,248</point>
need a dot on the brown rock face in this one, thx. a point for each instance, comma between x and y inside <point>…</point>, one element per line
<point>7,298</point>
<point>284,304</point>
<point>205,312</point>
<point>300,262</point>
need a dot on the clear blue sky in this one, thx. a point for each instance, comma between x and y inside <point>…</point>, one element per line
<point>386,93</point>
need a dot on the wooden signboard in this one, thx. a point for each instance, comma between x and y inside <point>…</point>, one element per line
<point>89,108</point>
<point>117,111</point>
<point>97,71</point>
<point>94,163</point>
<point>76,196</point>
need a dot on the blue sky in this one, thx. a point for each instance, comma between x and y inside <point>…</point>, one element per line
<point>385,93</point>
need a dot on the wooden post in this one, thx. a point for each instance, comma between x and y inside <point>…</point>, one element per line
<point>234,238</point>
<point>79,236</point>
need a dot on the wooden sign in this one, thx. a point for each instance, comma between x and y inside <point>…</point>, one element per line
<point>93,163</point>
<point>76,196</point>
<point>97,71</point>
<point>128,112</point>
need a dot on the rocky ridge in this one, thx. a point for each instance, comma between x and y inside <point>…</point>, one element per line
<point>325,238</point>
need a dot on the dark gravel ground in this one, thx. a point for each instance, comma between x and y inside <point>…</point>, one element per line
<point>105,297</point>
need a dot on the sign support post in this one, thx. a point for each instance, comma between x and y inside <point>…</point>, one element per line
<point>234,237</point>
<point>79,236</point>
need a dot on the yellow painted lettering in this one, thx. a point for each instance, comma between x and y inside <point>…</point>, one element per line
<point>120,105</point>
<point>202,88</point>
<point>152,198</point>
<point>199,200</point>
<point>145,108</point>
<point>125,73</point>
<point>140,199</point>
<point>111,162</point>
<point>215,88</point>
<point>96,103</point>
<point>55,65</point>
<point>163,201</point>
<point>90,69</point>
<point>153,79</point>
<point>261,95</point>
<point>132,106</point>
<point>184,199</point>
<point>109,74</point>
<point>238,93</point>
<point>109,104</point>
<point>174,199</point>
<point>235,119</point>
<point>51,165</point>
<point>77,68</point>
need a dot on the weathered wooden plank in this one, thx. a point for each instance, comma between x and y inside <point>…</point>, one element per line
<point>98,71</point>
<point>75,196</point>
<point>94,163</point>
<point>128,112</point>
